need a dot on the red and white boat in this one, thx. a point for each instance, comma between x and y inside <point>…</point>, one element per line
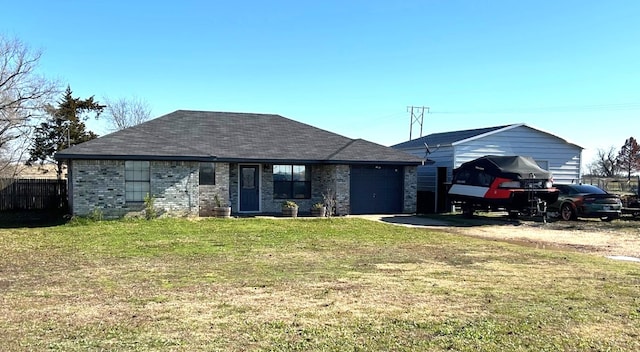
<point>512,183</point>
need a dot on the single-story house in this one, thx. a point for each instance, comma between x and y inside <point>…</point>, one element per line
<point>448,150</point>
<point>253,162</point>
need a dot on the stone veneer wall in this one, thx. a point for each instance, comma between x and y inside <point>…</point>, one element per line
<point>174,185</point>
<point>99,185</point>
<point>410,189</point>
<point>335,179</point>
<point>342,181</point>
<point>321,182</point>
<point>323,178</point>
<point>234,198</point>
<point>221,188</point>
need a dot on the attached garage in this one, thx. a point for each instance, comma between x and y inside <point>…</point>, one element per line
<point>377,189</point>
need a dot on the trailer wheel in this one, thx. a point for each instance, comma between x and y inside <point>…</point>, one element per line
<point>467,211</point>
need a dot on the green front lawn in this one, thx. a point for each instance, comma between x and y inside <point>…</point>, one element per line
<point>298,284</point>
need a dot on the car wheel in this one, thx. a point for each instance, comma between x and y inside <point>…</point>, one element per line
<point>608,218</point>
<point>567,213</point>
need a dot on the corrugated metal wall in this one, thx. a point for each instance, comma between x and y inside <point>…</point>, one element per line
<point>562,158</point>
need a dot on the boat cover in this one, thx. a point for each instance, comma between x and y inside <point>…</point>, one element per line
<point>511,167</point>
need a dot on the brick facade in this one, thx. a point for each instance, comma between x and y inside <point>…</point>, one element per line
<point>333,180</point>
<point>174,185</point>
<point>323,178</point>
<point>410,189</point>
<point>221,189</point>
<point>100,185</point>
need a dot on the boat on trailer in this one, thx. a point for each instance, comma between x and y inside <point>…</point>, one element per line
<point>515,184</point>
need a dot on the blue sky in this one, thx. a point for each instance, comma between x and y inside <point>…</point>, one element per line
<point>571,68</point>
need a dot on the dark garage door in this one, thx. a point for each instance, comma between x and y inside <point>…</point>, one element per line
<point>376,189</point>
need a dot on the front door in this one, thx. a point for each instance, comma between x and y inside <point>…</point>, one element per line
<point>249,188</point>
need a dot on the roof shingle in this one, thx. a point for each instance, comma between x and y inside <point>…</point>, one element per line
<point>224,136</point>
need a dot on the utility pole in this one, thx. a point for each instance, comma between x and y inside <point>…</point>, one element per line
<point>417,117</point>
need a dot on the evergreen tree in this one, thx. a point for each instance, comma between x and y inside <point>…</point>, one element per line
<point>63,127</point>
<point>629,157</point>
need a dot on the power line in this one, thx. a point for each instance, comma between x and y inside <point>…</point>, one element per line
<point>550,109</point>
<point>417,117</point>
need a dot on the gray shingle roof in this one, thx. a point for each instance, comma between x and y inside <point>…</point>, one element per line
<point>447,138</point>
<point>234,137</point>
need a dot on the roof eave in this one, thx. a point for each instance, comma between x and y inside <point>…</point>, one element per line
<point>487,134</point>
<point>62,156</point>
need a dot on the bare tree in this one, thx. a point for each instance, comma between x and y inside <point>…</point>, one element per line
<point>11,156</point>
<point>604,163</point>
<point>23,95</point>
<point>126,112</point>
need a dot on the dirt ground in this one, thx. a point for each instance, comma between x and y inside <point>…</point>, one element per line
<point>581,235</point>
<point>616,238</point>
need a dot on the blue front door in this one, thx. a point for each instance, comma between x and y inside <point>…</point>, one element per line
<point>249,188</point>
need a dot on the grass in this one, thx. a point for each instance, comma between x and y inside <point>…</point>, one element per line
<point>281,285</point>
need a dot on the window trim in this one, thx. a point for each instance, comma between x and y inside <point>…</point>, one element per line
<point>213,165</point>
<point>292,182</point>
<point>132,176</point>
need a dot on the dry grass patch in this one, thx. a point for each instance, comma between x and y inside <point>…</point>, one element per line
<point>345,284</point>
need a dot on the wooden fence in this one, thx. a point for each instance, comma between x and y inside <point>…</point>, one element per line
<point>33,194</point>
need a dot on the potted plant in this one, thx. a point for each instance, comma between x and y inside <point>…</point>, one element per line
<point>290,209</point>
<point>318,210</point>
<point>221,211</point>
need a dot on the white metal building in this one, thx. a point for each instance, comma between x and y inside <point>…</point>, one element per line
<point>449,150</point>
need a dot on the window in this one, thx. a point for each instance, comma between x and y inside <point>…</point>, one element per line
<point>544,164</point>
<point>474,178</point>
<point>207,174</point>
<point>463,177</point>
<point>484,179</point>
<point>136,180</point>
<point>291,181</point>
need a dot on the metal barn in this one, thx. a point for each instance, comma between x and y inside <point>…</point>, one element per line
<point>448,150</point>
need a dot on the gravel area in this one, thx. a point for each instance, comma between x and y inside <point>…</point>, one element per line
<point>617,238</point>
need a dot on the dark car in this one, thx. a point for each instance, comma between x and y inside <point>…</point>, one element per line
<point>586,201</point>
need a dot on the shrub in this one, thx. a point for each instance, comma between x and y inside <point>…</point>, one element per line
<point>149,207</point>
<point>289,204</point>
<point>96,215</point>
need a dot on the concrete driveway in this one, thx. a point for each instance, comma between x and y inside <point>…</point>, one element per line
<point>405,220</point>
